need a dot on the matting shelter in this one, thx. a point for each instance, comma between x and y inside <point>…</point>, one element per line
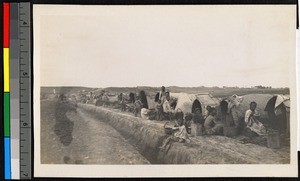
<point>274,110</point>
<point>189,102</point>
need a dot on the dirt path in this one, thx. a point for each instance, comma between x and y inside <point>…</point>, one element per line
<point>94,142</point>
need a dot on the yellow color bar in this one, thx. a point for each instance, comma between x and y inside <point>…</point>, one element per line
<point>6,69</point>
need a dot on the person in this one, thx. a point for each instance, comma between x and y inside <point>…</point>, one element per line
<point>188,121</point>
<point>207,111</point>
<point>137,106</point>
<point>167,109</point>
<point>131,98</point>
<point>120,97</point>
<point>179,133</point>
<point>159,111</point>
<point>198,117</point>
<point>225,115</point>
<point>234,103</point>
<point>253,126</point>
<point>122,102</point>
<point>143,99</point>
<point>63,127</point>
<point>211,125</point>
<point>105,98</point>
<point>162,94</point>
<point>144,113</point>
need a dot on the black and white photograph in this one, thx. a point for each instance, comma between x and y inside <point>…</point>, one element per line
<point>195,90</point>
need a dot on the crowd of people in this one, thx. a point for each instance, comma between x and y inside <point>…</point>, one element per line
<point>213,120</point>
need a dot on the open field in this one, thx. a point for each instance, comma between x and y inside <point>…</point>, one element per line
<point>214,91</point>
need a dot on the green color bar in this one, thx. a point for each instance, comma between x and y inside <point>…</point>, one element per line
<point>6,114</point>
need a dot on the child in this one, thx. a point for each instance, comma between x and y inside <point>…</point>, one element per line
<point>159,111</point>
<point>181,133</point>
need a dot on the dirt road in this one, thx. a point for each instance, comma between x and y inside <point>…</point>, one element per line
<point>94,142</point>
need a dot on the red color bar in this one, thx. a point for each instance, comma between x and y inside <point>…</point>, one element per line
<point>6,25</point>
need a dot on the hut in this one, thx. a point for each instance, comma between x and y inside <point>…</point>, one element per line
<point>203,100</point>
<point>189,102</point>
<point>278,110</point>
<point>273,109</point>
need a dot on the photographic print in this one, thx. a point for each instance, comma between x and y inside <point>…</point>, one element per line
<point>151,90</point>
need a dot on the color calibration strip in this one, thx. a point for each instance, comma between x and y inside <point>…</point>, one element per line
<point>14,92</point>
<point>24,75</point>
<point>6,68</point>
<point>17,90</point>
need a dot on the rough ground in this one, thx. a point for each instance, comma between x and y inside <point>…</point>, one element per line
<point>94,142</point>
<point>148,135</point>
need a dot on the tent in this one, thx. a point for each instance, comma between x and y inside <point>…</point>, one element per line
<point>189,102</point>
<point>273,109</point>
<point>204,100</point>
<point>278,110</point>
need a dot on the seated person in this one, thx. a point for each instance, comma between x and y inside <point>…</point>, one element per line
<point>198,117</point>
<point>179,134</point>
<point>207,111</point>
<point>149,114</point>
<point>211,125</point>
<point>168,111</point>
<point>144,113</point>
<point>254,127</point>
<point>188,121</point>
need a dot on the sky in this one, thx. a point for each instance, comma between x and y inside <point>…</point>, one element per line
<point>116,46</point>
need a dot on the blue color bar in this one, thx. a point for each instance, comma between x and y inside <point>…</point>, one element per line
<point>7,166</point>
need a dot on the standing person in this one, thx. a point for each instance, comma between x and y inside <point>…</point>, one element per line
<point>143,99</point>
<point>122,102</point>
<point>211,125</point>
<point>225,115</point>
<point>63,127</point>
<point>138,105</point>
<point>159,111</point>
<point>254,126</point>
<point>162,94</point>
